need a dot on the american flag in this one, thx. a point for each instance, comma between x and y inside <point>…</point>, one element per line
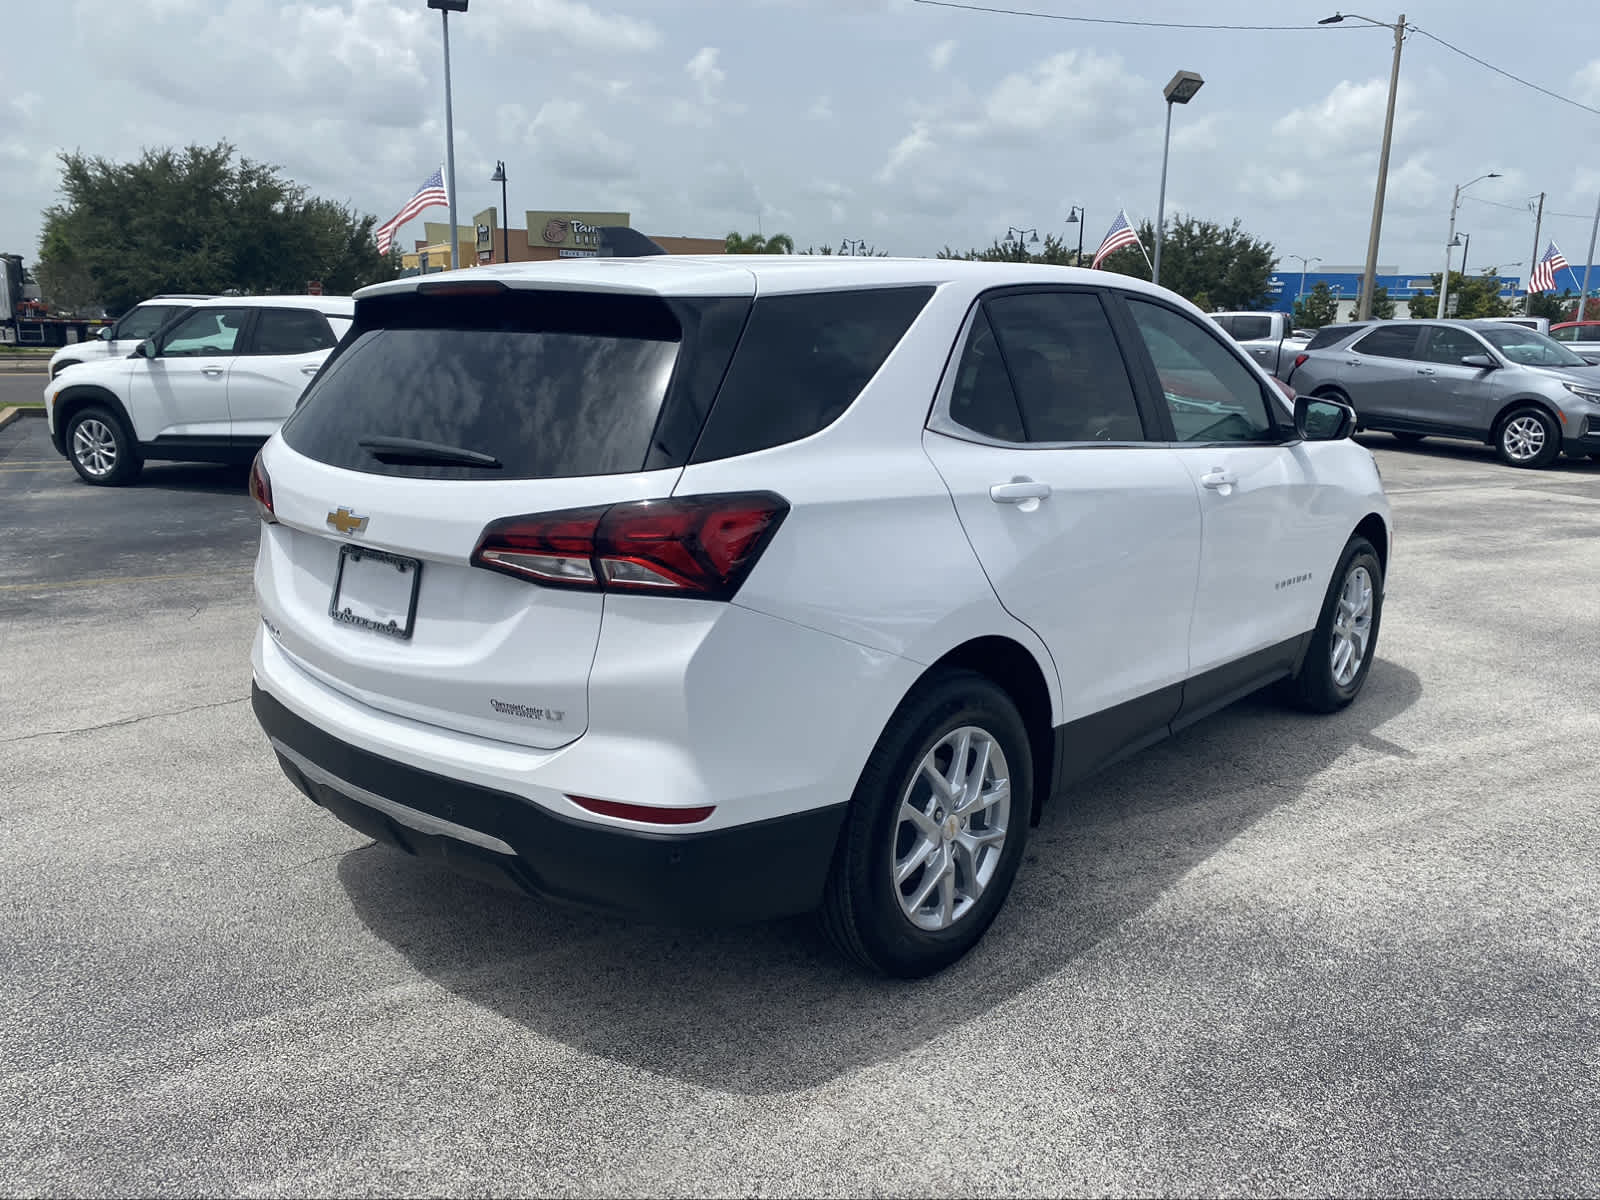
<point>1119,235</point>
<point>430,193</point>
<point>1543,278</point>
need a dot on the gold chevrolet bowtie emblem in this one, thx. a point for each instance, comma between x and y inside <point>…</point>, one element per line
<point>346,522</point>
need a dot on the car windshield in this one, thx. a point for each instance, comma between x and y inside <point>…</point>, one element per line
<point>1530,348</point>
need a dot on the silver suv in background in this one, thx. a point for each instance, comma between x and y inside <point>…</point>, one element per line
<point>1510,387</point>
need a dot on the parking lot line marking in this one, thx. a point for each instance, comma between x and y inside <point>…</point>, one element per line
<point>103,579</point>
<point>50,467</point>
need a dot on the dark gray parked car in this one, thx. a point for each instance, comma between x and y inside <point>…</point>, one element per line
<point>1512,388</point>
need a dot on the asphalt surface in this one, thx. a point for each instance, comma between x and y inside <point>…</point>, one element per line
<point>21,387</point>
<point>1281,954</point>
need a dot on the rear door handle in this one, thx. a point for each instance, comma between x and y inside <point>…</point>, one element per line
<point>308,370</point>
<point>1218,478</point>
<point>1424,370</point>
<point>1352,362</point>
<point>1019,491</point>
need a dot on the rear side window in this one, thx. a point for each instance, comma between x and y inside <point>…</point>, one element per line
<point>1251,329</point>
<point>1390,341</point>
<point>291,331</point>
<point>982,399</point>
<point>1071,383</point>
<point>802,361</point>
<point>1329,337</point>
<point>553,384</point>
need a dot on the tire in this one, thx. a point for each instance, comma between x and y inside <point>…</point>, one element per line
<point>1409,439</point>
<point>1325,683</point>
<point>886,925</point>
<point>1528,437</point>
<point>1595,457</point>
<point>100,448</point>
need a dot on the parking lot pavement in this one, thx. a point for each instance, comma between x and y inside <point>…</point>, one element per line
<point>1277,953</point>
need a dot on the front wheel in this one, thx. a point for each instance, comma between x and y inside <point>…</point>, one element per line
<point>101,449</point>
<point>935,831</point>
<point>1346,637</point>
<point>1528,437</point>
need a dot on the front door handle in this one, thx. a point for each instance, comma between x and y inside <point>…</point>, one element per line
<point>1424,370</point>
<point>214,372</point>
<point>1219,479</point>
<point>1019,491</point>
<point>308,370</point>
<point>1352,362</point>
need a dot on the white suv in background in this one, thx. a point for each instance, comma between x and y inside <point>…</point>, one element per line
<point>114,341</point>
<point>210,385</point>
<point>729,587</point>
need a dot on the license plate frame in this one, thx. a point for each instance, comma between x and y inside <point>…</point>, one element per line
<point>374,623</point>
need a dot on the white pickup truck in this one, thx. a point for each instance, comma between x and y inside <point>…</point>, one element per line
<point>1268,337</point>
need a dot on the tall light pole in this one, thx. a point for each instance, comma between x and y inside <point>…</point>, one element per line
<point>1450,242</point>
<point>1538,227</point>
<point>499,177</point>
<point>1369,276</point>
<point>446,7</point>
<point>1019,236</point>
<point>1464,240</point>
<point>1077,217</point>
<point>1179,90</point>
<point>1304,262</point>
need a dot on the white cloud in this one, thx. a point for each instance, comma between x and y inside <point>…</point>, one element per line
<point>1349,118</point>
<point>821,109</point>
<point>563,137</point>
<point>708,77</point>
<point>939,57</point>
<point>909,148</point>
<point>1077,93</point>
<point>1586,82</point>
<point>27,104</point>
<point>570,21</point>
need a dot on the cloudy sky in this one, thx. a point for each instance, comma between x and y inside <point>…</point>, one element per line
<point>906,125</point>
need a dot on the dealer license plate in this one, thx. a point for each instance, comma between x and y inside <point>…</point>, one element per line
<point>376,591</point>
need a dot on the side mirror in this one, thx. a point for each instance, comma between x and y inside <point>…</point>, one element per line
<point>1482,361</point>
<point>107,333</point>
<point>145,349</point>
<point>1317,419</point>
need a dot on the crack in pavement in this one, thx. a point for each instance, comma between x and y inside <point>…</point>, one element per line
<point>176,712</point>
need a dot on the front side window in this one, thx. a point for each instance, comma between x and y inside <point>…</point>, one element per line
<point>1251,329</point>
<point>1390,341</point>
<point>1530,348</point>
<point>1070,381</point>
<point>1211,394</point>
<point>1565,335</point>
<point>144,321</point>
<point>291,331</point>
<point>1450,346</point>
<point>205,331</point>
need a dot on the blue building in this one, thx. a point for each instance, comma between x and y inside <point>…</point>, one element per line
<point>1345,284</point>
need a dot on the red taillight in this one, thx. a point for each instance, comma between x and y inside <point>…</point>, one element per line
<point>261,491</point>
<point>644,812</point>
<point>701,546</point>
<point>1300,359</point>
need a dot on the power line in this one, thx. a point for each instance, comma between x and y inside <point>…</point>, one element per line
<point>1527,208</point>
<point>1507,74</point>
<point>1048,16</point>
<point>1022,12</point>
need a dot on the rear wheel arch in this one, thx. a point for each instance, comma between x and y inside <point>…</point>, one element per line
<point>1015,669</point>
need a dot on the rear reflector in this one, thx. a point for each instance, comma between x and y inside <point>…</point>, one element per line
<point>643,812</point>
<point>700,546</point>
<point>484,287</point>
<point>261,491</point>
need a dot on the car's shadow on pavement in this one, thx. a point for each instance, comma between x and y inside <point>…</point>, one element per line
<point>771,1008</point>
<point>1457,450</point>
<point>214,479</point>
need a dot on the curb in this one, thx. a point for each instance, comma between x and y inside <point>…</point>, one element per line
<point>8,415</point>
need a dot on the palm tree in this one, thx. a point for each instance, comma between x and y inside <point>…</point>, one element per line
<point>754,243</point>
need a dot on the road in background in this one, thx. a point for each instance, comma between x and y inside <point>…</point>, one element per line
<point>1276,954</point>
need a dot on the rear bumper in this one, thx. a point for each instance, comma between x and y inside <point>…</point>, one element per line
<point>746,872</point>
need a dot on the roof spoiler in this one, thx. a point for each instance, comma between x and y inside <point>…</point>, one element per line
<point>621,241</point>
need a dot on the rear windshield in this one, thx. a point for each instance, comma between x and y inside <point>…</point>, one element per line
<point>1329,335</point>
<point>552,384</point>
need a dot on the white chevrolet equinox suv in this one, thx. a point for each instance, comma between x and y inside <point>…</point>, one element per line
<point>726,587</point>
<point>210,385</point>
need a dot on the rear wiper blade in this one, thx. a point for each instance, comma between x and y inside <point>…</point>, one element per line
<point>400,451</point>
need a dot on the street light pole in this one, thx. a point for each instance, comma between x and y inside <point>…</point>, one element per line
<point>1019,237</point>
<point>1369,275</point>
<point>1179,90</point>
<point>1466,245</point>
<point>1450,241</point>
<point>1538,223</point>
<point>1304,262</point>
<point>1079,218</point>
<point>446,7</point>
<point>499,177</point>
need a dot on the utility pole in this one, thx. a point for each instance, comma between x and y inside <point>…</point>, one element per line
<point>1583,300</point>
<point>1533,259</point>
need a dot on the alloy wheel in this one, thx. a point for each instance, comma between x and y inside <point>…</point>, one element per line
<point>94,445</point>
<point>1352,626</point>
<point>1523,438</point>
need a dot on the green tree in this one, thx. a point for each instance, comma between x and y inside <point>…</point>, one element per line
<point>199,219</point>
<point>1223,261</point>
<point>1471,296</point>
<point>1382,306</point>
<point>1317,308</point>
<point>755,243</point>
<point>1556,308</point>
<point>1053,251</point>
